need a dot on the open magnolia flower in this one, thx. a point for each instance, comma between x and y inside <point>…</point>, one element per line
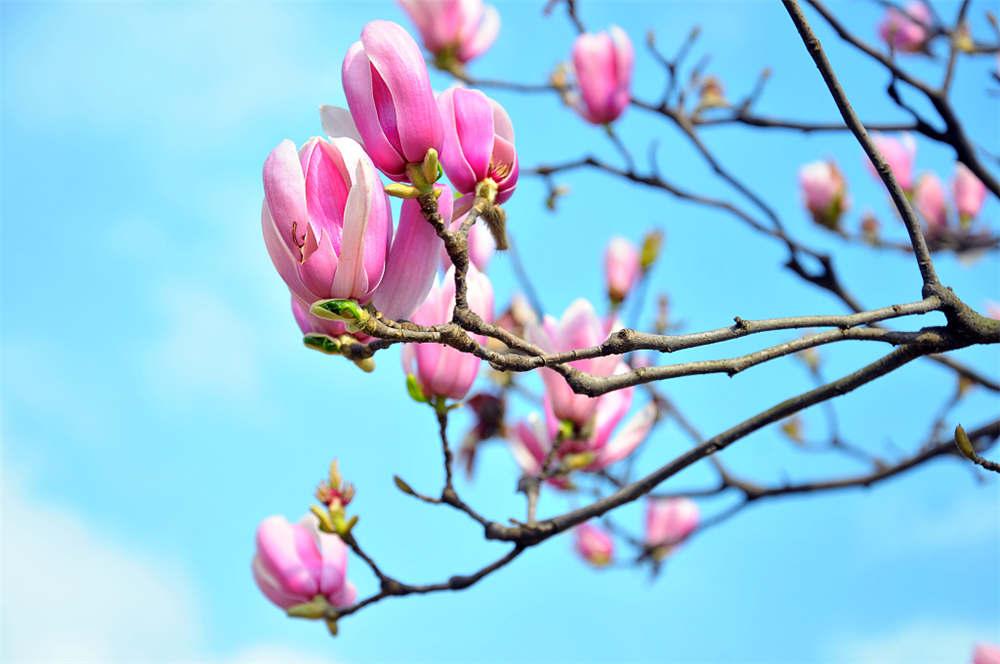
<point>328,229</point>
<point>591,448</point>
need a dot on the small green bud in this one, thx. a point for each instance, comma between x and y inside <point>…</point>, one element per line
<point>326,522</point>
<point>403,486</point>
<point>414,390</point>
<point>565,431</point>
<point>964,444</point>
<point>431,168</point>
<point>322,343</point>
<point>331,625</point>
<point>366,364</point>
<point>652,242</point>
<point>347,311</point>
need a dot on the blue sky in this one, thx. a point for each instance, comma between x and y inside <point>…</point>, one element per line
<point>157,402</point>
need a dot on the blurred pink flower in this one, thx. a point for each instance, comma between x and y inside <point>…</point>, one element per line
<point>443,371</point>
<point>621,267</point>
<point>603,65</point>
<point>824,192</point>
<point>899,154</point>
<point>462,29</point>
<point>905,31</point>
<point>929,201</point>
<point>986,653</point>
<point>295,562</point>
<point>669,521</point>
<point>594,544</point>
<point>969,193</point>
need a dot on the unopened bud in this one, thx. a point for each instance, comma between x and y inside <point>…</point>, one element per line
<point>578,461</point>
<point>652,242</point>
<point>430,169</point>
<point>322,343</point>
<point>347,311</point>
<point>311,610</point>
<point>324,518</point>
<point>964,444</point>
<point>414,389</point>
<point>403,486</point>
<point>402,190</point>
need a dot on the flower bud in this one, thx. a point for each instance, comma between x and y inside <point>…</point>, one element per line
<point>928,198</point>
<point>478,143</point>
<point>442,371</point>
<point>622,267</point>
<point>986,653</point>
<point>669,521</point>
<point>389,93</point>
<point>969,193</point>
<point>824,193</point>
<point>603,65</point>
<point>455,31</point>
<point>295,563</point>
<point>594,544</point>
<point>899,154</point>
<point>906,31</point>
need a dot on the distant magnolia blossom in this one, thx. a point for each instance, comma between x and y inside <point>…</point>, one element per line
<point>593,544</point>
<point>930,202</point>
<point>824,192</point>
<point>969,193</point>
<point>295,562</point>
<point>986,653</point>
<point>669,521</point>
<point>906,31</point>
<point>603,64</point>
<point>622,267</point>
<point>579,327</point>
<point>592,447</point>
<point>454,29</point>
<point>899,154</point>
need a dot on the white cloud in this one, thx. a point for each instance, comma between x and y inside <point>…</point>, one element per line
<point>71,594</point>
<point>925,641</point>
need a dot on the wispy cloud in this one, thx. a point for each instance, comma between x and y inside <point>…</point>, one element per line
<point>72,594</point>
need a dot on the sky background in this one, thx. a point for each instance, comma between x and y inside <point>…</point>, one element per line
<point>157,401</point>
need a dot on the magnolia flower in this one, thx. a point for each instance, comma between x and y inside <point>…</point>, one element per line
<point>454,29</point>
<point>969,193</point>
<point>986,653</point>
<point>899,155</point>
<point>579,327</point>
<point>906,31</point>
<point>621,268</point>
<point>328,229</point>
<point>389,94</point>
<point>669,521</point>
<point>295,563</point>
<point>442,371</point>
<point>591,448</point>
<point>593,544</point>
<point>603,65</point>
<point>824,192</point>
<point>929,201</point>
<point>478,142</point>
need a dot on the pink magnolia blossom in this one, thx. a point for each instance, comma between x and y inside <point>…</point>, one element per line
<point>929,201</point>
<point>328,229</point>
<point>969,192</point>
<point>669,521</point>
<point>390,97</point>
<point>905,30</point>
<point>478,142</point>
<point>824,192</point>
<point>621,267</point>
<point>899,154</point>
<point>463,29</point>
<point>295,562</point>
<point>440,370</point>
<point>986,653</point>
<point>579,327</point>
<point>597,446</point>
<point>603,65</point>
<point>593,544</point>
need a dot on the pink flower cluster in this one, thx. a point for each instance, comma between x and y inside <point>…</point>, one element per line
<point>328,226</point>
